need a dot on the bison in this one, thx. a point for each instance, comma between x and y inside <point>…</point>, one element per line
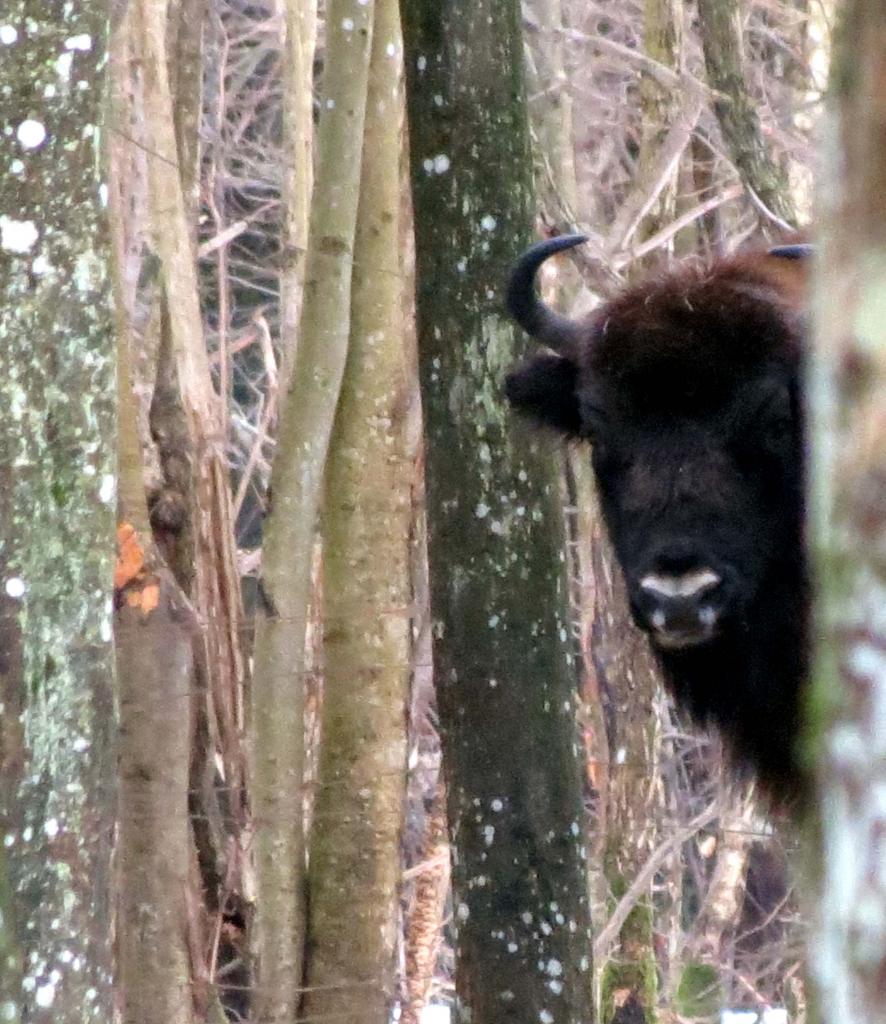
<point>689,389</point>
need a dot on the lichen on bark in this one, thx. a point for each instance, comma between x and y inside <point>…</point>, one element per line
<point>56,537</point>
<point>504,684</point>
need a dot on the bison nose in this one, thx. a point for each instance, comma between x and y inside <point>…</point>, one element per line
<point>681,608</point>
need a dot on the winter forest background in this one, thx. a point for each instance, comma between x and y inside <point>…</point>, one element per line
<point>354,726</point>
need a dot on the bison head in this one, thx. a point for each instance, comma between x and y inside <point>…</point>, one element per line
<point>687,387</point>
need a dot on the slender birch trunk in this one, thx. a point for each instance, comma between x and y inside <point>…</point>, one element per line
<point>277,743</point>
<point>358,813</point>
<point>298,179</point>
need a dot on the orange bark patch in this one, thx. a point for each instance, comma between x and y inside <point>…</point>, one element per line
<point>130,556</point>
<point>138,588</point>
<point>147,598</point>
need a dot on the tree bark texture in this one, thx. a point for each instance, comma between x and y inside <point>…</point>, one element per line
<point>184,46</point>
<point>154,632</point>
<point>181,716</point>
<point>551,110</point>
<point>205,562</point>
<point>296,489</point>
<point>57,528</point>
<point>848,529</point>
<point>298,181</point>
<point>358,811</point>
<point>721,33</point>
<point>502,659</point>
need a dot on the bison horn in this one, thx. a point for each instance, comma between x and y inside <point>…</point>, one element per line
<point>524,306</point>
<point>798,251</point>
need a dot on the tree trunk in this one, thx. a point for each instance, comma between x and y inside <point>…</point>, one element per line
<point>57,527</point>
<point>669,118</point>
<point>848,529</point>
<point>505,687</point>
<point>298,180</point>
<point>721,34</point>
<point>551,110</point>
<point>184,44</point>
<point>296,486</point>
<point>181,713</point>
<point>205,562</point>
<point>154,630</point>
<point>358,812</point>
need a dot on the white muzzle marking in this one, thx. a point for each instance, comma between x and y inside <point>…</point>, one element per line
<point>686,585</point>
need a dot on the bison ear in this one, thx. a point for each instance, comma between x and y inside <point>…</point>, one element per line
<point>544,388</point>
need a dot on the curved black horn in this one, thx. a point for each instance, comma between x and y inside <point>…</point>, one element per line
<point>524,306</point>
<point>799,251</point>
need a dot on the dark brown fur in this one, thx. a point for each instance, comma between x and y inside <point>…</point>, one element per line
<point>688,386</point>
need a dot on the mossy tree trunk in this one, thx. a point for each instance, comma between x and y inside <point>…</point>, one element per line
<point>848,529</point>
<point>297,475</point>
<point>358,812</point>
<point>57,529</point>
<point>505,683</point>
